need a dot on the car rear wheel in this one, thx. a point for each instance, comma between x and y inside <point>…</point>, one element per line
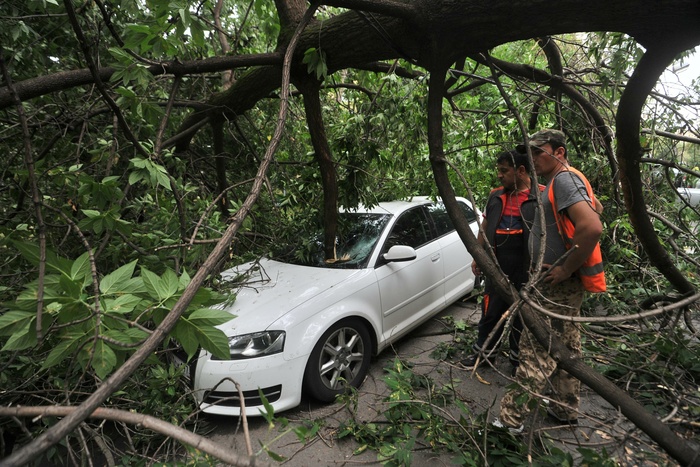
<point>340,359</point>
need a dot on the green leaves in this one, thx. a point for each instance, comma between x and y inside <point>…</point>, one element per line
<point>18,325</point>
<point>14,321</point>
<point>129,72</point>
<point>160,288</point>
<point>315,60</point>
<point>100,334</point>
<point>198,330</point>
<point>54,263</point>
<point>148,171</point>
<point>103,358</point>
<point>123,304</point>
<point>116,281</point>
<point>65,347</point>
<point>99,222</point>
<point>80,268</point>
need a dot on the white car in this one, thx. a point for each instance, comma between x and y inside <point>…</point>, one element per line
<point>315,328</point>
<point>691,195</point>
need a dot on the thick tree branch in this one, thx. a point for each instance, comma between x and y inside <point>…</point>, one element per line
<point>438,163</point>
<point>388,7</point>
<point>227,77</point>
<point>151,423</point>
<point>61,81</point>
<point>679,448</point>
<point>310,89</point>
<point>461,28</point>
<point>556,68</point>
<point>557,82</point>
<point>629,154</point>
<point>669,135</point>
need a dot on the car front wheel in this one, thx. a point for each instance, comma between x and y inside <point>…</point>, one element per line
<point>340,359</point>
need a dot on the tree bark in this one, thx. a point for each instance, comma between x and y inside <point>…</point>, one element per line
<point>310,88</point>
<point>220,157</point>
<point>151,423</point>
<point>629,154</point>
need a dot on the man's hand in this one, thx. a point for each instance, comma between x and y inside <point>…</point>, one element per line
<point>475,269</point>
<point>556,275</point>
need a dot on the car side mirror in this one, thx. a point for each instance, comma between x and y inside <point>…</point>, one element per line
<point>400,253</point>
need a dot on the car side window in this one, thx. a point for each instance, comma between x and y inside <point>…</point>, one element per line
<point>442,221</point>
<point>410,229</point>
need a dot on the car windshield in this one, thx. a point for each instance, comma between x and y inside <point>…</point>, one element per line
<point>357,236</point>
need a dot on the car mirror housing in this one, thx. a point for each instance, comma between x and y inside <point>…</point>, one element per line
<point>400,253</point>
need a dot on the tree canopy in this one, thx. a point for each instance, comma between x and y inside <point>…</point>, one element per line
<point>149,145</point>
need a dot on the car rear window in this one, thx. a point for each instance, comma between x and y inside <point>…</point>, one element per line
<point>442,221</point>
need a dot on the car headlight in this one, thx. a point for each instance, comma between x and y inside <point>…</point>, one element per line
<point>257,344</point>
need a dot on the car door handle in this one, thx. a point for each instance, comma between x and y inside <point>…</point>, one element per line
<point>435,257</point>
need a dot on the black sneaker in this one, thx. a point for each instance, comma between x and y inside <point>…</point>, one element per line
<point>564,421</point>
<point>469,363</point>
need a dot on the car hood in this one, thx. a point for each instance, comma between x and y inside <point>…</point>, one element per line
<point>273,289</point>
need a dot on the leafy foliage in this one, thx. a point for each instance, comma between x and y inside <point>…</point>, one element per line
<point>95,330</point>
<point>101,221</point>
<point>420,414</point>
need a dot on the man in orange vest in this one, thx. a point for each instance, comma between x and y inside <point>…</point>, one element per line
<point>572,217</point>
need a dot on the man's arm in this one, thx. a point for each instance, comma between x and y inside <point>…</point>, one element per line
<point>598,206</point>
<point>587,232</point>
<point>480,240</point>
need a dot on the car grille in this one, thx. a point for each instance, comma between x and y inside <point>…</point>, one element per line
<point>252,398</point>
<point>178,356</point>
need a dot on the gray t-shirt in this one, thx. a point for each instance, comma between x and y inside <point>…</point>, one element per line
<point>569,189</point>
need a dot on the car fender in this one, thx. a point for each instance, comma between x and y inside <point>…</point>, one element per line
<point>304,332</point>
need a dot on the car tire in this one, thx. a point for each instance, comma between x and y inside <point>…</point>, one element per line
<point>339,359</point>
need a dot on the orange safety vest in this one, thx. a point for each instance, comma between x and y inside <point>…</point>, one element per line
<point>591,272</point>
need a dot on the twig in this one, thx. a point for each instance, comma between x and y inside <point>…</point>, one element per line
<point>98,80</point>
<point>166,116</point>
<point>36,196</point>
<point>211,207</point>
<point>612,319</point>
<point>244,417</point>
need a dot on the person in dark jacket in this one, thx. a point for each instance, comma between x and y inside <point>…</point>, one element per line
<point>506,235</point>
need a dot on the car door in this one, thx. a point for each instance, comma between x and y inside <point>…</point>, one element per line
<point>457,261</point>
<point>410,289</point>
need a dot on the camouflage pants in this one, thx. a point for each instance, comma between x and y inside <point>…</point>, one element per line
<point>538,371</point>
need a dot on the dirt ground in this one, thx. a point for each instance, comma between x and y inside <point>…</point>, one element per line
<point>600,426</point>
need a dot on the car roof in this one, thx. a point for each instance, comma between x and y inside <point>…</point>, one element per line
<point>391,207</point>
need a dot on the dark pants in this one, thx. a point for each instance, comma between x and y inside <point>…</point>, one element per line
<point>511,258</point>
